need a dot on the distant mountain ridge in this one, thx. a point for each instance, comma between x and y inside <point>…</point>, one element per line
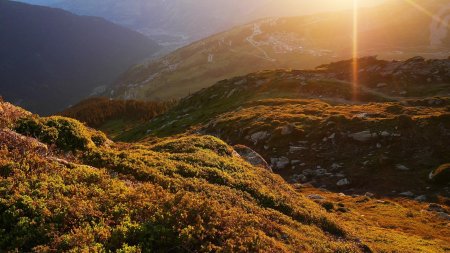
<point>302,42</point>
<point>177,22</point>
<point>50,58</point>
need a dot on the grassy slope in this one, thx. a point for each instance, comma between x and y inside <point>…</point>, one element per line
<point>408,130</point>
<point>191,191</point>
<point>229,95</point>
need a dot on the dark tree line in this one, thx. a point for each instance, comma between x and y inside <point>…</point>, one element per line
<point>96,111</point>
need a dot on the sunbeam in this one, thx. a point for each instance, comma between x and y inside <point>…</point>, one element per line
<point>355,78</point>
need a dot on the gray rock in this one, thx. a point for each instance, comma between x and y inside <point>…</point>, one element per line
<point>444,215</point>
<point>286,130</point>
<point>280,163</point>
<point>369,194</point>
<point>294,149</point>
<point>407,194</point>
<point>401,167</point>
<point>295,162</point>
<point>315,197</point>
<point>259,136</point>
<point>421,198</point>
<point>435,208</point>
<point>252,157</point>
<point>320,172</point>
<point>343,182</point>
<point>363,136</point>
<point>299,178</point>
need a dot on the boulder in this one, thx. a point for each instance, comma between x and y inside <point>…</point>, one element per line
<point>407,194</point>
<point>294,149</point>
<point>13,140</point>
<point>421,198</point>
<point>287,130</point>
<point>280,163</point>
<point>441,175</point>
<point>259,136</point>
<point>401,167</point>
<point>343,182</point>
<point>252,157</point>
<point>363,136</point>
<point>443,215</point>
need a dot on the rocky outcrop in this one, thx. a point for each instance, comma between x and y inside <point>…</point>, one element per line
<point>13,140</point>
<point>380,73</point>
<point>251,157</point>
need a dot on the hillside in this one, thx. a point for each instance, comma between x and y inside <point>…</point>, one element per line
<point>301,42</point>
<point>314,127</point>
<point>66,187</point>
<point>51,58</point>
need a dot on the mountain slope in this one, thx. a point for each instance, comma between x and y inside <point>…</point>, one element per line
<point>192,191</point>
<point>50,58</point>
<point>394,125</point>
<point>66,187</point>
<point>298,43</point>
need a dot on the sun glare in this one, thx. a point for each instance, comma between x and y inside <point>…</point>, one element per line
<point>424,10</point>
<point>355,50</point>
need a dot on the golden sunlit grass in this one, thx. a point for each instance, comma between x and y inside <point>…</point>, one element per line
<point>389,223</point>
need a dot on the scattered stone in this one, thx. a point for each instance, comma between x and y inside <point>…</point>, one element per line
<point>231,93</point>
<point>259,136</point>
<point>401,167</point>
<point>444,215</point>
<point>343,182</point>
<point>335,166</point>
<point>407,194</point>
<point>315,197</point>
<point>363,136</point>
<point>252,157</point>
<point>294,149</point>
<point>381,85</point>
<point>299,178</point>
<point>280,163</point>
<point>286,130</point>
<point>295,162</point>
<point>435,208</point>
<point>13,140</point>
<point>369,194</point>
<point>241,82</point>
<point>421,198</point>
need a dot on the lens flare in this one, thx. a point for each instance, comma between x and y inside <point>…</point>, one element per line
<point>355,70</point>
<point>427,12</point>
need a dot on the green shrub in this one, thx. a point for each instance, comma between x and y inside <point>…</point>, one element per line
<point>67,134</point>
